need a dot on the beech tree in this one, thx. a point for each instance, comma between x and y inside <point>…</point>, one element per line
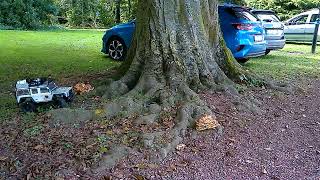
<point>177,52</point>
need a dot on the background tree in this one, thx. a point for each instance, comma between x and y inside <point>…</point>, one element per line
<point>27,14</point>
<point>284,8</point>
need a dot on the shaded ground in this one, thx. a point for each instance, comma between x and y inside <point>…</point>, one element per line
<point>281,143</point>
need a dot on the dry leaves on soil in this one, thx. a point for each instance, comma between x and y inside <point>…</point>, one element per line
<point>206,122</point>
<point>81,88</point>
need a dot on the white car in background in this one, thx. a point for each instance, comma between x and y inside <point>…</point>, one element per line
<point>301,27</point>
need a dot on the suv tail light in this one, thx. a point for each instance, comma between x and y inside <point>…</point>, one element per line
<point>240,26</point>
<point>239,48</point>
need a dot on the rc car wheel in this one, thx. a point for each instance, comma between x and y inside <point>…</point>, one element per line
<point>117,49</point>
<point>61,103</point>
<point>28,106</point>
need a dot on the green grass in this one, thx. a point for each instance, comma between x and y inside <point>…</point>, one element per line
<point>293,62</point>
<point>71,53</point>
<point>61,54</point>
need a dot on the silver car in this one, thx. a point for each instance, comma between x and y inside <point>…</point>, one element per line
<point>301,27</point>
<point>274,29</point>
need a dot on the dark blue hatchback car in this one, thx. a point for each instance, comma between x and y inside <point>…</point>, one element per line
<point>243,33</point>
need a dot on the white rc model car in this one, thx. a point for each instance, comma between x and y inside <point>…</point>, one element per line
<point>31,92</point>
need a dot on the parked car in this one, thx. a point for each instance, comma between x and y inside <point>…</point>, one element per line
<point>300,28</point>
<point>274,29</point>
<point>243,33</point>
<point>116,40</point>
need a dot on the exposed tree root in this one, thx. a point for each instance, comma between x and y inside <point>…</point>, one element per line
<point>177,52</point>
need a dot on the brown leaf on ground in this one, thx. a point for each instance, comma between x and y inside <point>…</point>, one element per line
<point>3,158</point>
<point>39,147</point>
<point>138,177</point>
<point>81,88</point>
<point>206,122</point>
<point>181,147</point>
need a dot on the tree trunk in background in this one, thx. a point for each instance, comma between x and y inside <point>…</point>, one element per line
<point>129,8</point>
<point>118,11</point>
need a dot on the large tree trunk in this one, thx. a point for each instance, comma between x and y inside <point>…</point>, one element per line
<point>178,48</point>
<point>177,51</point>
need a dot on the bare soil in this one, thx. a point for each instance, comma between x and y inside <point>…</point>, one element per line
<point>283,142</point>
<point>280,143</point>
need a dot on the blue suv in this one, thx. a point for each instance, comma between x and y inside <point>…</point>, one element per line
<point>242,31</point>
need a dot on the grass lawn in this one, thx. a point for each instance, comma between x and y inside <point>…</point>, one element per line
<point>75,53</point>
<point>61,54</point>
<point>293,62</point>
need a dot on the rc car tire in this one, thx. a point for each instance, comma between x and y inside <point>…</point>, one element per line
<point>28,106</point>
<point>61,102</point>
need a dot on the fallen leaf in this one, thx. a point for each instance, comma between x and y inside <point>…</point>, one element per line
<point>138,177</point>
<point>181,147</point>
<point>206,122</point>
<point>39,147</point>
<point>28,177</point>
<point>171,168</point>
<point>140,166</point>
<point>264,171</point>
<point>268,149</point>
<point>182,164</point>
<point>3,158</point>
<point>81,88</point>
<point>107,177</point>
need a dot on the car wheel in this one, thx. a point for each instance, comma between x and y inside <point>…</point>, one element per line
<point>28,106</point>
<point>267,51</point>
<point>61,103</point>
<point>242,60</point>
<point>117,49</point>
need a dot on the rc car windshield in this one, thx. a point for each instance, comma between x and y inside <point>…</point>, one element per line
<point>52,86</point>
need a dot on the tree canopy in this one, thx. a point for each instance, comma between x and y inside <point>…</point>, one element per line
<point>26,14</point>
<point>284,8</point>
<point>34,14</point>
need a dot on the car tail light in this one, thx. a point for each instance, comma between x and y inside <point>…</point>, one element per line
<point>240,26</point>
<point>239,48</point>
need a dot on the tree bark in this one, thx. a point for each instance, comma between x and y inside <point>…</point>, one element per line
<point>177,51</point>
<point>118,11</point>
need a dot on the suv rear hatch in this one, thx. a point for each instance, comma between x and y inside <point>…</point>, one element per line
<point>270,21</point>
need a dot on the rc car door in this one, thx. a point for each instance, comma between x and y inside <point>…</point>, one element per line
<point>46,95</point>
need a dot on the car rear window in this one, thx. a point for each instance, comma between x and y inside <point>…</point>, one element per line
<point>244,14</point>
<point>267,16</point>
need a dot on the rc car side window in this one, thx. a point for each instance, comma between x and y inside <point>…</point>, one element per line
<point>44,90</point>
<point>34,91</point>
